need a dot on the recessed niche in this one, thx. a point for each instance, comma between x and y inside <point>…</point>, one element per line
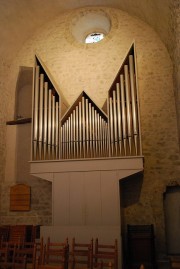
<point>90,21</point>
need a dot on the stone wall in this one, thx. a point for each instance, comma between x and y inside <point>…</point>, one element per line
<point>76,67</point>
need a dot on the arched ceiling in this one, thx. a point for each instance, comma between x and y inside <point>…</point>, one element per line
<point>19,19</point>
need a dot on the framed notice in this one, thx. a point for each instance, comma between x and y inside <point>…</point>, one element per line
<point>20,196</point>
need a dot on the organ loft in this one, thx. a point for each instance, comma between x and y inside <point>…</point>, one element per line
<point>90,131</point>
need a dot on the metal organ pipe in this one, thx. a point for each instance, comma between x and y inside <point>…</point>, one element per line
<point>45,117</point>
<point>74,133</point>
<point>119,120</point>
<point>111,127</point>
<point>49,123</point>
<point>84,132</point>
<point>124,119</point>
<point>40,127</point>
<point>87,127</point>
<point>71,135</point>
<point>128,105</point>
<point>115,120</point>
<point>57,130</point>
<point>53,125</point>
<point>96,132</point>
<point>77,131</point>
<point>93,133</point>
<point>134,103</point>
<point>90,128</point>
<point>83,128</point>
<point>35,118</point>
<point>80,130</point>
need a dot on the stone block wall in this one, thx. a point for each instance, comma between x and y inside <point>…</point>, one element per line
<point>75,67</point>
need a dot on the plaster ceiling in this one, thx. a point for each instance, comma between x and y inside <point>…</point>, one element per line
<point>19,19</point>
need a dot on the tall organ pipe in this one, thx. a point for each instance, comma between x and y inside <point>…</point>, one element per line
<point>57,130</point>
<point>77,130</point>
<point>100,135</point>
<point>41,115</point>
<point>119,120</point>
<point>80,130</point>
<point>90,129</point>
<point>49,122</point>
<point>71,135</point>
<point>35,118</point>
<point>134,103</point>
<point>87,127</point>
<point>83,127</point>
<point>53,125</point>
<point>128,105</point>
<point>36,101</point>
<point>96,132</point>
<point>115,120</point>
<point>62,144</point>
<point>93,133</point>
<point>111,127</point>
<point>124,118</point>
<point>45,117</point>
<point>74,133</point>
<point>68,132</point>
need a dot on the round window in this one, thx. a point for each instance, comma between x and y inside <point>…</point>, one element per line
<point>94,37</point>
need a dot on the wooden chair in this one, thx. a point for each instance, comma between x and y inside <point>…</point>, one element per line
<point>28,249</point>
<point>19,258</point>
<point>4,233</point>
<point>105,255</point>
<point>55,256</point>
<point>17,234</point>
<point>39,250</point>
<point>4,255</point>
<point>102,265</point>
<point>81,255</point>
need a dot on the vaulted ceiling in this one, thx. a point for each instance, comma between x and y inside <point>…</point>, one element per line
<point>19,19</point>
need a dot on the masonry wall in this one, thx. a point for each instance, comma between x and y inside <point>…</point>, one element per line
<point>76,67</point>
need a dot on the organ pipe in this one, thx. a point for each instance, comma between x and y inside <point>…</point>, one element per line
<point>77,131</point>
<point>49,123</point>
<point>83,127</point>
<point>128,105</point>
<point>74,133</point>
<point>36,102</point>
<point>90,129</point>
<point>45,117</point>
<point>80,130</point>
<point>85,130</point>
<point>53,125</point>
<point>124,118</point>
<point>87,127</point>
<point>115,120</point>
<point>119,120</point>
<point>111,127</point>
<point>57,129</point>
<point>133,96</point>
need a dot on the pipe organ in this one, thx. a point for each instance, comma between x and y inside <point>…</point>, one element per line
<point>123,111</point>
<point>86,131</point>
<point>46,117</point>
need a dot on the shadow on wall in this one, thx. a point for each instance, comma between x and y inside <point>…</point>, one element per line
<point>24,93</point>
<point>130,189</point>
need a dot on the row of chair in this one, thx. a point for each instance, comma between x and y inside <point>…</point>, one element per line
<point>56,255</point>
<point>23,233</point>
